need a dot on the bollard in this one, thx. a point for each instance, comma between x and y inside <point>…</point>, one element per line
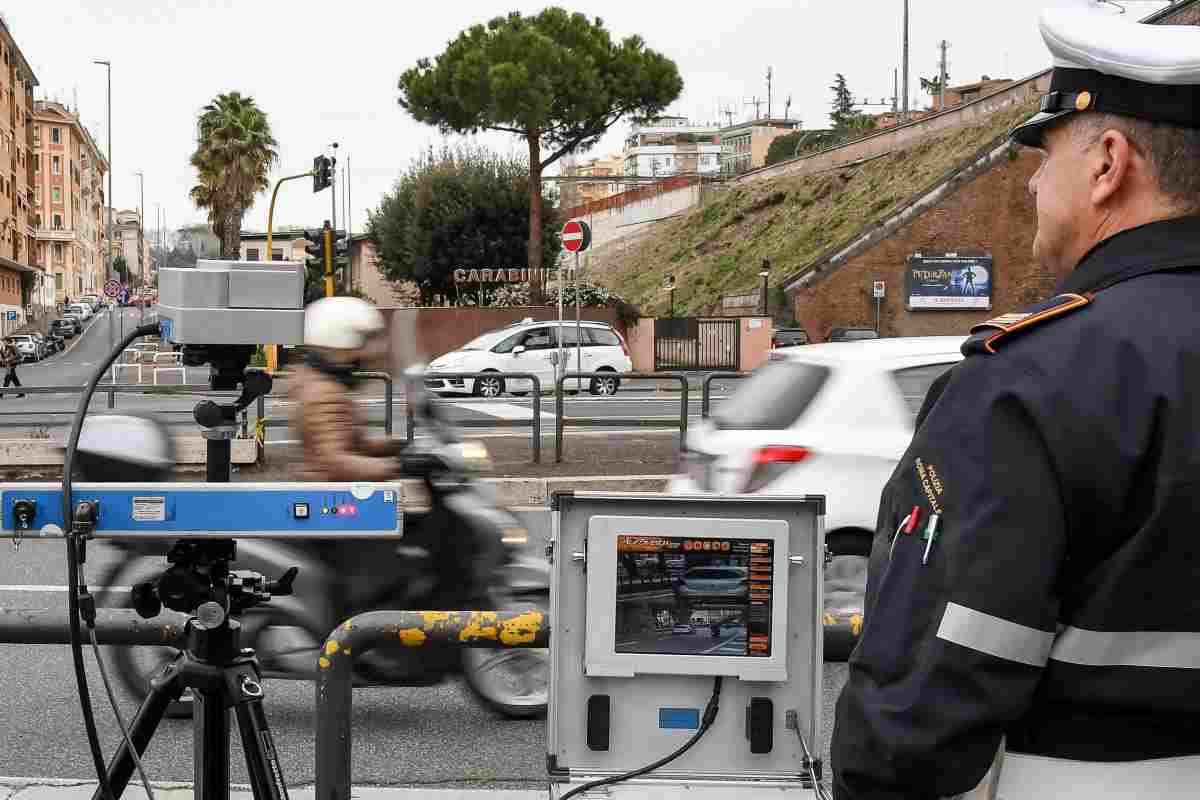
<point>413,629</point>
<point>113,626</point>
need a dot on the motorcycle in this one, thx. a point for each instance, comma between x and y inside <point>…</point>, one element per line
<point>288,633</point>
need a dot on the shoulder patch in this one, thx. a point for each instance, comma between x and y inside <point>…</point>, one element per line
<point>986,337</point>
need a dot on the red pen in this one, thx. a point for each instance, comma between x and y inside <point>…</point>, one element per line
<point>912,519</point>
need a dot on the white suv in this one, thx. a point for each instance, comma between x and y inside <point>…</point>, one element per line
<point>532,347</point>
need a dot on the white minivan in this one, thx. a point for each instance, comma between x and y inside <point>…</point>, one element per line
<point>532,347</point>
<point>81,310</point>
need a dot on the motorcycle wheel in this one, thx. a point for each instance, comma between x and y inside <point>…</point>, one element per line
<point>515,683</point>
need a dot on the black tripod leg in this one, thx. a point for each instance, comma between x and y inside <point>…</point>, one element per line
<point>210,744</point>
<point>164,690</point>
<point>262,762</point>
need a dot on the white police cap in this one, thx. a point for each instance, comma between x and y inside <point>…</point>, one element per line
<point>1104,61</point>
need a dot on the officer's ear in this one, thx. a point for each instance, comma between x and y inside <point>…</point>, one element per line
<point>1115,167</point>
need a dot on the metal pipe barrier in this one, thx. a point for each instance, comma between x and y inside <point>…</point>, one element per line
<point>706,387</point>
<point>618,422</point>
<point>410,629</point>
<point>113,626</point>
<point>535,420</point>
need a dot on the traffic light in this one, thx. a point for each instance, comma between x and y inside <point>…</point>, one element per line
<point>322,172</point>
<point>314,251</point>
<point>341,251</point>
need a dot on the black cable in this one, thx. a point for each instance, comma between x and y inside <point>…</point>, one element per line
<point>78,592</point>
<point>710,715</point>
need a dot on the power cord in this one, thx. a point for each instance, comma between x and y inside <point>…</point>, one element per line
<point>80,604</point>
<point>792,723</point>
<point>710,716</point>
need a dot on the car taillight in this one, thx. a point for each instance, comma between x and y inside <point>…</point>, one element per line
<point>780,454</point>
<point>770,462</point>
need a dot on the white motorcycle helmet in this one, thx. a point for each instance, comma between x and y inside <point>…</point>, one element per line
<point>124,448</point>
<point>340,323</point>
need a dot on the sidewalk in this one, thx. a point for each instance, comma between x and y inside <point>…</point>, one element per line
<point>50,789</point>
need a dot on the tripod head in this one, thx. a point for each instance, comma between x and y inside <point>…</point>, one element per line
<point>199,573</point>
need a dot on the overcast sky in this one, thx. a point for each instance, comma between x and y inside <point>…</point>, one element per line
<point>326,72</point>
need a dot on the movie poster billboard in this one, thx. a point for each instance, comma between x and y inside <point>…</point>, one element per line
<point>949,282</point>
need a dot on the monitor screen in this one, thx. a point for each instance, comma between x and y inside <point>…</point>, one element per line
<point>694,596</point>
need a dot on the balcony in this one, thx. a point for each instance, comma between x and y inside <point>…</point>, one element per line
<point>56,235</point>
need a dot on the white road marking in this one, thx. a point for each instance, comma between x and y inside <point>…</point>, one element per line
<point>504,410</point>
<point>37,588</point>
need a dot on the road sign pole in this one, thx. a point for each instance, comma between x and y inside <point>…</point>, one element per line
<point>578,332</point>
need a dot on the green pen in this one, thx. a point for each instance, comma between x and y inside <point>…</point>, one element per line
<point>930,535</point>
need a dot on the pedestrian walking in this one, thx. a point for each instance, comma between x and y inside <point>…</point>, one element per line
<point>9,358</point>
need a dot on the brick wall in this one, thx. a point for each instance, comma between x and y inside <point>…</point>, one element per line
<point>994,213</point>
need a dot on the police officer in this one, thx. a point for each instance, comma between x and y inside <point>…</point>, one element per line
<point>1032,614</point>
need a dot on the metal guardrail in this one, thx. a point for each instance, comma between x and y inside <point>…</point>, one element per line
<point>408,629</point>
<point>618,422</point>
<point>706,387</point>
<point>113,626</point>
<point>534,422</point>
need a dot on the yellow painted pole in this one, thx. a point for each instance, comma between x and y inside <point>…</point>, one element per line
<point>328,236</point>
<point>271,350</point>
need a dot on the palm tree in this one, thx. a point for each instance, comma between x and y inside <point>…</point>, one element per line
<point>234,155</point>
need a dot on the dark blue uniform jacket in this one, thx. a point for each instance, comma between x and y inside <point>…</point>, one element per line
<point>1060,605</point>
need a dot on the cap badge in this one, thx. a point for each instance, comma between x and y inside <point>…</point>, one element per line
<point>1083,101</point>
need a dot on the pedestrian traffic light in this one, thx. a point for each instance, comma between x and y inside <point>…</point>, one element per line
<point>322,173</point>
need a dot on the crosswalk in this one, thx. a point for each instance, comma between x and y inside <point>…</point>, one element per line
<point>508,411</point>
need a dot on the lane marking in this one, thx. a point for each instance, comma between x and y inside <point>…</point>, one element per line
<point>504,410</point>
<point>41,588</point>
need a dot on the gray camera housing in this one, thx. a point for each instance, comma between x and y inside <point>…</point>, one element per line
<point>232,302</point>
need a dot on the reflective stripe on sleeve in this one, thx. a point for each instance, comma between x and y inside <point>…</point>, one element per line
<point>1161,649</point>
<point>995,636</point>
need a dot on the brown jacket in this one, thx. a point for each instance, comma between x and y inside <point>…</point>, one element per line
<point>332,433</point>
<point>9,357</point>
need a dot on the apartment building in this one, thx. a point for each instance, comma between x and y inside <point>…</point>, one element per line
<point>131,244</point>
<point>672,146</point>
<point>21,276</point>
<point>744,146</point>
<point>581,192</point>
<point>68,200</point>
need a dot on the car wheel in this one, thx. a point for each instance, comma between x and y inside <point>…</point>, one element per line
<point>845,590</point>
<point>605,385</point>
<point>489,386</point>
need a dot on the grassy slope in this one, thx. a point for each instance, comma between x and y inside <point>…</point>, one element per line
<point>718,249</point>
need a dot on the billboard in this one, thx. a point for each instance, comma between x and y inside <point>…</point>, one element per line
<point>949,282</point>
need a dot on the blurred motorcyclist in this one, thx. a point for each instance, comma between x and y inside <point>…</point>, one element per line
<point>338,332</point>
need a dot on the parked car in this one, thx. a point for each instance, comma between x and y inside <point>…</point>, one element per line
<point>789,337</point>
<point>827,419</point>
<point>75,322</point>
<point>56,343</point>
<point>64,327</point>
<point>852,334</point>
<point>82,310</point>
<point>529,346</point>
<point>683,627</point>
<point>714,583</point>
<point>43,344</point>
<point>25,345</point>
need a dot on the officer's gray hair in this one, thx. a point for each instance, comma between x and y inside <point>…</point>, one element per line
<point>1172,152</point>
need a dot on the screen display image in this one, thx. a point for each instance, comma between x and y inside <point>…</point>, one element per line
<point>694,596</point>
<point>949,281</point>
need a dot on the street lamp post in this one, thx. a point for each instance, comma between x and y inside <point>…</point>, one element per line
<point>765,273</point>
<point>141,246</point>
<point>108,267</point>
<point>670,287</point>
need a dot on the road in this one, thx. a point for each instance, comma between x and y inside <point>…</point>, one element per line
<point>46,415</point>
<point>417,737</point>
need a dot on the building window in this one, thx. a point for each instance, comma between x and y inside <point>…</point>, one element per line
<point>252,254</point>
<point>58,281</point>
<point>55,165</point>
<point>37,136</point>
<point>55,194</point>
<point>276,255</point>
<point>56,136</point>
<point>58,251</point>
<point>58,226</point>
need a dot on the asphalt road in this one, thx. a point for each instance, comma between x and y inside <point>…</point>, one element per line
<point>418,737</point>
<point>46,415</point>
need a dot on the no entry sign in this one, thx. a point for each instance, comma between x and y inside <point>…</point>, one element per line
<point>576,236</point>
<point>112,288</point>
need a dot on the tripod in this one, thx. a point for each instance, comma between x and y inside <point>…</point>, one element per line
<point>219,672</point>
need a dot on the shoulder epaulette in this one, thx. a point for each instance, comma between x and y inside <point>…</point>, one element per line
<point>986,337</point>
